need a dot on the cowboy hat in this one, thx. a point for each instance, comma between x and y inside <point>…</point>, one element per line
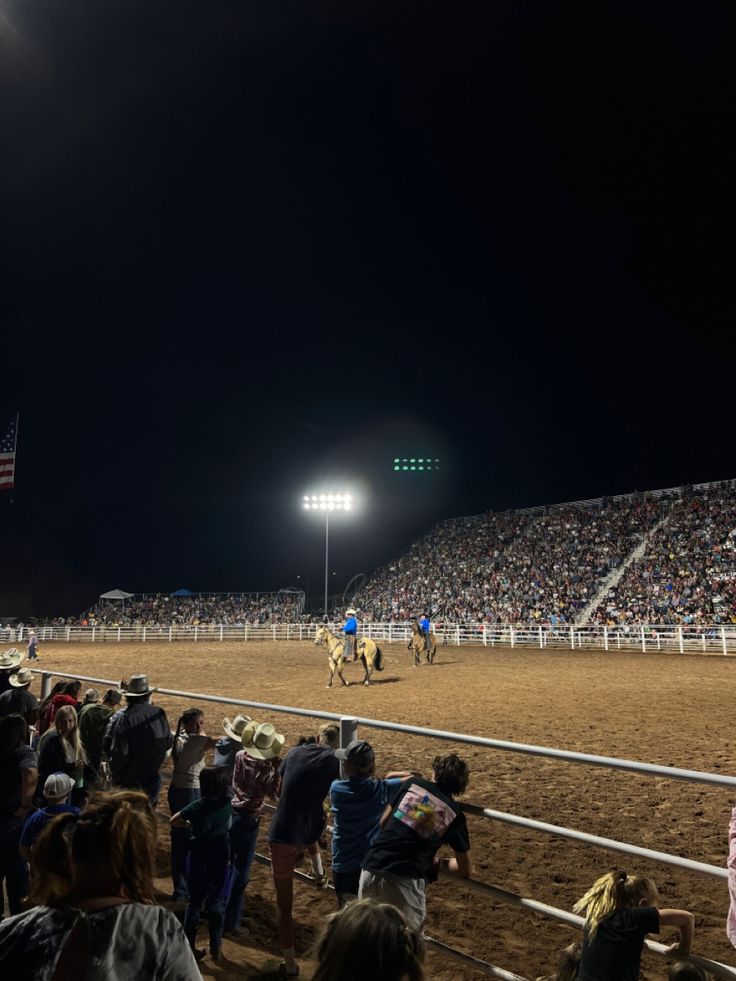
<point>11,658</point>
<point>21,678</point>
<point>246,736</point>
<point>267,743</point>
<point>137,687</point>
<point>350,612</point>
<point>234,729</point>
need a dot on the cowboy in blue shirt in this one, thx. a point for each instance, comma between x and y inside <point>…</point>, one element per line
<point>426,628</point>
<point>349,632</point>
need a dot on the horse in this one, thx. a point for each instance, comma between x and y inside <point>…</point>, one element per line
<point>418,643</point>
<point>370,654</point>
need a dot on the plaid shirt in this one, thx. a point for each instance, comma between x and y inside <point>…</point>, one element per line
<point>253,781</point>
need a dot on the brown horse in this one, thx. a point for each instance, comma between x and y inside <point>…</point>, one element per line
<point>418,644</point>
<point>370,655</point>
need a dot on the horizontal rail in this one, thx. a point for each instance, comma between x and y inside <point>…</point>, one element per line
<point>483,966</point>
<point>568,756</point>
<point>599,842</point>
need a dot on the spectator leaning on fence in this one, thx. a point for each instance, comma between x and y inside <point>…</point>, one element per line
<point>357,804</point>
<point>255,778</point>
<point>137,740</point>
<point>228,746</point>
<point>93,720</point>
<point>421,818</point>
<point>306,776</point>
<point>187,753</point>
<point>620,910</point>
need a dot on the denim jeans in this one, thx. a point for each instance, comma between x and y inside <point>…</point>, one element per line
<point>179,797</point>
<point>243,838</point>
<point>209,872</point>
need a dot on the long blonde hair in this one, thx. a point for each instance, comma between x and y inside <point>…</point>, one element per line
<point>611,892</point>
<point>72,739</point>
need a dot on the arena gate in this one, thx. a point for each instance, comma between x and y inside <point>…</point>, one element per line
<point>348,731</point>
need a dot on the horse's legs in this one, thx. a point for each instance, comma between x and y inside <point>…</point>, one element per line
<point>332,673</point>
<point>416,656</point>
<point>367,669</point>
<point>339,671</point>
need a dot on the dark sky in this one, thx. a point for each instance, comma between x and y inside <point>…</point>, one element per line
<point>248,250</point>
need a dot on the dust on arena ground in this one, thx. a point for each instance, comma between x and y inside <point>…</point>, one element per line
<point>667,709</point>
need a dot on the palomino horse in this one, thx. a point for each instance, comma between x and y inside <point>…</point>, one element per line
<point>418,644</point>
<point>370,655</point>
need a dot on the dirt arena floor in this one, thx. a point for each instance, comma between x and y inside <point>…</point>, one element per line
<point>667,709</point>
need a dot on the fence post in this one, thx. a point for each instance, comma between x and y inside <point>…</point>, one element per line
<point>389,632</point>
<point>93,634</point>
<point>723,639</point>
<point>679,633</point>
<point>605,638</point>
<point>143,638</point>
<point>643,640</point>
<point>274,631</point>
<point>485,636</point>
<point>246,632</point>
<point>45,684</point>
<point>118,635</point>
<point>457,634</point>
<point>703,636</point>
<point>541,637</point>
<point>301,631</point>
<point>288,631</point>
<point>68,634</point>
<point>572,638</point>
<point>170,632</point>
<point>511,636</point>
<point>348,732</point>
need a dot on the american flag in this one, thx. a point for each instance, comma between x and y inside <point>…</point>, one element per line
<point>7,456</point>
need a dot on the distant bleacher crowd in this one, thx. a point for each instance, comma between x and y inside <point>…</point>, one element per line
<point>550,565</point>
<point>659,558</point>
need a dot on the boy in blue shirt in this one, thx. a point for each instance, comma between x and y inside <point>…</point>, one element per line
<point>57,790</point>
<point>357,804</point>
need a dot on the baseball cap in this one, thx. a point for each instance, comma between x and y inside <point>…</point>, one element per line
<point>57,786</point>
<point>358,752</point>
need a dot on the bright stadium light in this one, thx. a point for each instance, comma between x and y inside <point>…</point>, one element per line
<point>327,503</point>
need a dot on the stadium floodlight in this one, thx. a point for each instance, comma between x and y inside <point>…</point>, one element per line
<point>327,503</point>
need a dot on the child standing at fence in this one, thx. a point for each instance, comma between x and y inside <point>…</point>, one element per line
<point>208,865</point>
<point>620,910</point>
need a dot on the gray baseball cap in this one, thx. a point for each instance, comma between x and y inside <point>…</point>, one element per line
<point>358,752</point>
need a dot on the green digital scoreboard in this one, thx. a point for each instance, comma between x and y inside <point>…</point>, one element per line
<point>416,464</point>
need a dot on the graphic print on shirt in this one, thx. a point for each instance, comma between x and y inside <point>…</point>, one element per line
<point>424,813</point>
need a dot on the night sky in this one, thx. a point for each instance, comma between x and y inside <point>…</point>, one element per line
<point>251,250</point>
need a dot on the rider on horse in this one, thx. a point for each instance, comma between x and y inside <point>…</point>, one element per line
<point>426,628</point>
<point>350,630</point>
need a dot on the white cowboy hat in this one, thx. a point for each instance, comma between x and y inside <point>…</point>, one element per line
<point>136,687</point>
<point>350,613</point>
<point>235,728</point>
<point>267,743</point>
<point>21,678</point>
<point>11,658</point>
<point>249,731</point>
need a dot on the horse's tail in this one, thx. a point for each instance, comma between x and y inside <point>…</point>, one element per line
<point>378,663</point>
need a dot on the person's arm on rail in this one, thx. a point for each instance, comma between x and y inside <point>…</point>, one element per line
<point>460,865</point>
<point>685,923</point>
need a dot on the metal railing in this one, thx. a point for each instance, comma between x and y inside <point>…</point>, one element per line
<point>349,726</point>
<point>648,638</point>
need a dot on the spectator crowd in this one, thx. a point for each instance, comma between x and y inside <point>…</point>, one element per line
<point>162,609</point>
<point>81,779</point>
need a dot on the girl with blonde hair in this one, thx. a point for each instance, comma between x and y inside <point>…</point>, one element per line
<point>61,751</point>
<point>620,910</point>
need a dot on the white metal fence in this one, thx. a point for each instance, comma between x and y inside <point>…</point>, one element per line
<point>349,729</point>
<point>709,638</point>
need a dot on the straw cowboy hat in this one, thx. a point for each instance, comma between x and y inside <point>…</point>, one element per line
<point>350,612</point>
<point>267,743</point>
<point>21,678</point>
<point>246,736</point>
<point>235,728</point>
<point>137,687</point>
<point>11,658</point>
